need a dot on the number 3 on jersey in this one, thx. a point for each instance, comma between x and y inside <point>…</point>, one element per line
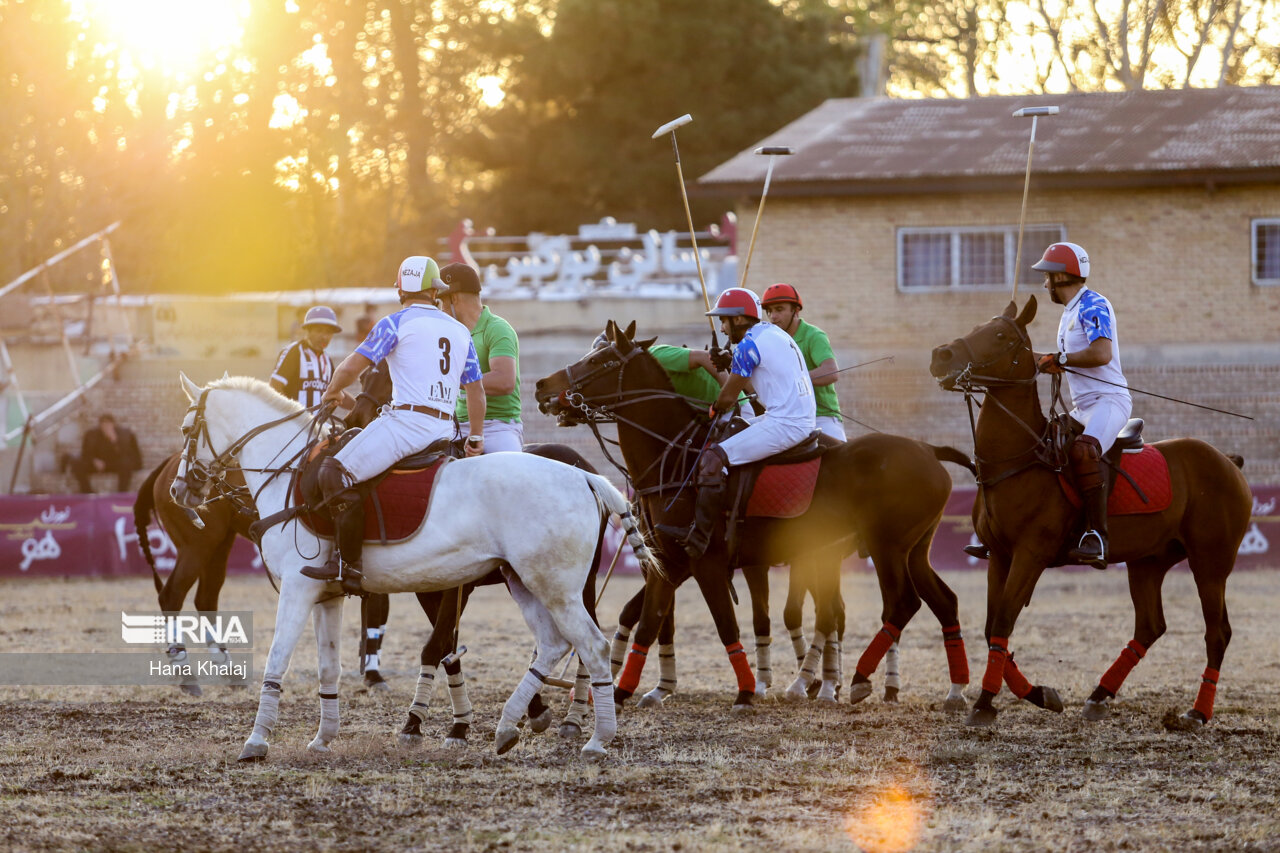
<point>444,356</point>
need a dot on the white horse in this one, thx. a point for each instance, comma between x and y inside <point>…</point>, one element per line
<point>536,519</point>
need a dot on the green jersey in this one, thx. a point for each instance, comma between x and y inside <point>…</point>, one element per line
<point>493,338</point>
<point>816,348</point>
<point>696,384</point>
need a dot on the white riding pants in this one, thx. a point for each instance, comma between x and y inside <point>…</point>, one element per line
<point>832,426</point>
<point>503,437</point>
<point>764,437</point>
<point>390,437</point>
<point>1103,416</point>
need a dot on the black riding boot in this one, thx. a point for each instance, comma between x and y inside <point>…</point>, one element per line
<point>707,508</point>
<point>349,538</point>
<point>346,507</point>
<point>1086,465</point>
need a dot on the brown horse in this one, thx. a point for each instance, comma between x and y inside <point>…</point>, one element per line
<point>1023,516</point>
<point>880,494</point>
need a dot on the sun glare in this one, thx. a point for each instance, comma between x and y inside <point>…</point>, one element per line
<point>172,35</point>
<point>889,822</point>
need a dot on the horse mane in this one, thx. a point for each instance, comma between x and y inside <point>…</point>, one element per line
<point>259,389</point>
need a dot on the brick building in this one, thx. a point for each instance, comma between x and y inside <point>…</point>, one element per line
<point>898,221</point>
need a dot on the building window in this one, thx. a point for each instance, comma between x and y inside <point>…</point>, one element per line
<point>933,259</point>
<point>1266,251</point>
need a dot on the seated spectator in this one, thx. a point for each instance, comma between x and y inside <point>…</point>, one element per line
<point>107,447</point>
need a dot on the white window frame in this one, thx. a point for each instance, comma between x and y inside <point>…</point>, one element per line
<point>954,232</point>
<point>1254,272</point>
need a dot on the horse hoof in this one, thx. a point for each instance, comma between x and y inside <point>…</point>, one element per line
<point>454,743</point>
<point>592,751</point>
<point>542,722</point>
<point>253,752</point>
<point>652,699</point>
<point>318,746</point>
<point>1190,721</point>
<point>744,703</point>
<point>762,690</point>
<point>620,696</point>
<point>377,686</point>
<point>891,696</point>
<point>953,704</point>
<point>1094,711</point>
<point>570,731</point>
<point>410,740</point>
<point>505,739</point>
<point>858,691</point>
<point>191,689</point>
<point>981,717</point>
<point>1052,701</point>
<point>797,692</point>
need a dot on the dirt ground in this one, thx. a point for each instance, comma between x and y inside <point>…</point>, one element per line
<point>147,768</point>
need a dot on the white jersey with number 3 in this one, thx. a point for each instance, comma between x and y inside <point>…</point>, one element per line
<point>430,355</point>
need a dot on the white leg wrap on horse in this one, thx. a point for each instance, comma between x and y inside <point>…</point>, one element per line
<point>268,710</point>
<point>606,719</point>
<point>831,660</point>
<point>422,693</point>
<point>813,658</point>
<point>667,668</point>
<point>328,714</point>
<point>891,671</point>
<point>581,690</point>
<point>764,669</point>
<point>799,645</point>
<point>618,649</point>
<point>518,704</point>
<point>459,698</point>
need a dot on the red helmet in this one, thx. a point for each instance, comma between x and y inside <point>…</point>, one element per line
<point>736,302</point>
<point>780,293</point>
<point>1064,257</point>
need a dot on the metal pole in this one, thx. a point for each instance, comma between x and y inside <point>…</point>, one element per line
<point>1035,113</point>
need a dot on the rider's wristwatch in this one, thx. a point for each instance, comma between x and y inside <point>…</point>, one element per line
<point>1062,359</point>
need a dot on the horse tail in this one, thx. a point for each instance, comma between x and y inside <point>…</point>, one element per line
<point>142,509</point>
<point>950,454</point>
<point>615,502</point>
<point>1237,460</point>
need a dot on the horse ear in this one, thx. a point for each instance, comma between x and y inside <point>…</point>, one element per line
<point>1011,311</point>
<point>611,330</point>
<point>226,374</point>
<point>646,343</point>
<point>191,389</point>
<point>1028,312</point>
<point>631,330</point>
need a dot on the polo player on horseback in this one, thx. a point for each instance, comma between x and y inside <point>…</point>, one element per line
<point>430,356</point>
<point>768,358</point>
<point>1087,343</point>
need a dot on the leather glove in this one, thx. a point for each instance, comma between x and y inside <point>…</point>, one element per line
<point>1048,363</point>
<point>721,358</point>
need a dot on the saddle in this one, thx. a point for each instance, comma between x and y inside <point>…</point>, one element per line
<point>778,486</point>
<point>396,502</point>
<point>1137,473</point>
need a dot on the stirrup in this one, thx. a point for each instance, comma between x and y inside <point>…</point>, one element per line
<point>686,537</point>
<point>978,552</point>
<point>1090,557</point>
<point>352,580</point>
<point>328,572</point>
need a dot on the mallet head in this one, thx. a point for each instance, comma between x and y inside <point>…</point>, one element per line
<point>672,125</point>
<point>1027,112</point>
<point>776,149</point>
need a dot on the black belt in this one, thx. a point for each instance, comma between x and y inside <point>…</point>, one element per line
<point>424,410</point>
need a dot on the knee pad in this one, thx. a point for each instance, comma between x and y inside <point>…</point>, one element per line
<point>1084,450</point>
<point>332,478</point>
<point>711,466</point>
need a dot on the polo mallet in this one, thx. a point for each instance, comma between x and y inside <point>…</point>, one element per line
<point>670,127</point>
<point>774,151</point>
<point>1035,113</point>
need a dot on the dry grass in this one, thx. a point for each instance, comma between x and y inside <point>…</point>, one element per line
<point>144,768</point>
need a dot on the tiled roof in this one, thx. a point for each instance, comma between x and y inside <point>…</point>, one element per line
<point>1152,137</point>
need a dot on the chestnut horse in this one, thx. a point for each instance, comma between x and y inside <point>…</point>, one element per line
<point>882,495</point>
<point>1023,516</point>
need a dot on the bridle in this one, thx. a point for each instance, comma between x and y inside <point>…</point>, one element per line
<point>595,409</point>
<point>970,382</point>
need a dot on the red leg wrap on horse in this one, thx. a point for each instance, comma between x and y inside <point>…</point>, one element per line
<point>957,660</point>
<point>629,678</point>
<point>1208,690</point>
<point>741,667</point>
<point>870,660</point>
<point>993,678</point>
<point>1129,657</point>
<point>1018,684</point>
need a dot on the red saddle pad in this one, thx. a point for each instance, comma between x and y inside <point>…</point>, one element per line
<point>784,491</point>
<point>404,496</point>
<point>1150,470</point>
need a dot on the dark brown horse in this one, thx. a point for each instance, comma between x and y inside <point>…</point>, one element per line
<point>1023,516</point>
<point>882,495</point>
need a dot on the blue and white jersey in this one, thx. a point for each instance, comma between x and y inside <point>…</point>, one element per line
<point>1086,318</point>
<point>430,356</point>
<point>773,362</point>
